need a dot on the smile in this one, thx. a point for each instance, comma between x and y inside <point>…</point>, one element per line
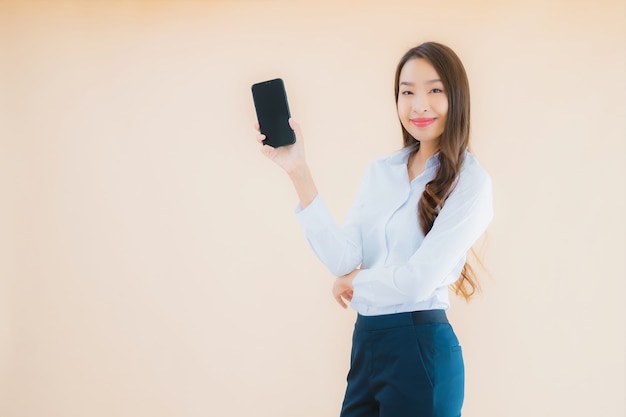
<point>423,121</point>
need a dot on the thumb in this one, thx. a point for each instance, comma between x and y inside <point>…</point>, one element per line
<point>296,128</point>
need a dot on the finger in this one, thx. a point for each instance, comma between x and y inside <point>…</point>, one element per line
<point>340,301</point>
<point>345,300</point>
<point>296,128</point>
<point>260,138</point>
<point>267,151</point>
<point>257,127</point>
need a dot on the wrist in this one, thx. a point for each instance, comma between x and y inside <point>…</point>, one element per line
<point>298,170</point>
<point>303,182</point>
<point>354,274</point>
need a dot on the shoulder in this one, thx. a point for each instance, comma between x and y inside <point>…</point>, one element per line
<point>473,174</point>
<point>472,167</point>
<point>393,160</point>
<point>386,171</point>
<point>388,168</point>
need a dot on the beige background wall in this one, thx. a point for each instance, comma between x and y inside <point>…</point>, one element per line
<point>150,263</point>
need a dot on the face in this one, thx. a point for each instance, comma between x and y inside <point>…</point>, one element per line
<point>422,101</point>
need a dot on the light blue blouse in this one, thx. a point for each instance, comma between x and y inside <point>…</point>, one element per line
<point>401,270</point>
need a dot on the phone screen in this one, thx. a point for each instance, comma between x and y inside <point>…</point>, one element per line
<point>272,110</point>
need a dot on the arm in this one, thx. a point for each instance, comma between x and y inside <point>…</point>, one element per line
<point>339,249</point>
<point>461,221</point>
<point>291,159</point>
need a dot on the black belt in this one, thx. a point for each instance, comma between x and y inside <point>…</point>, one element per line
<point>429,316</point>
<point>390,321</point>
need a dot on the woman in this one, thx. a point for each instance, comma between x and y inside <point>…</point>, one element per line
<point>404,242</point>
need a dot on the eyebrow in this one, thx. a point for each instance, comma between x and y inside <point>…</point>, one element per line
<point>436,80</point>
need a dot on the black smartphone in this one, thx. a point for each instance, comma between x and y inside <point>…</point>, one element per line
<point>272,112</point>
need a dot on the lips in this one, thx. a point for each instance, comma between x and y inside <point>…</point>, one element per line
<point>423,121</point>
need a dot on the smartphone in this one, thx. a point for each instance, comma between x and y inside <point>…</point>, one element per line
<point>272,112</point>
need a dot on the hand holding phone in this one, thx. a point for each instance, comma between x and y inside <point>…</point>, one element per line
<point>272,110</point>
<point>276,129</point>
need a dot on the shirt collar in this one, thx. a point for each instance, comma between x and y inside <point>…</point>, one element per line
<point>401,157</point>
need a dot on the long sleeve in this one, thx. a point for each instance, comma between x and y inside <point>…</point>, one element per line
<point>463,219</point>
<point>340,249</point>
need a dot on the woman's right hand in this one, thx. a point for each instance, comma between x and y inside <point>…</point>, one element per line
<point>343,290</point>
<point>291,157</point>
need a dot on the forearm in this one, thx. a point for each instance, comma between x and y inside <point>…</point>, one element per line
<point>387,286</point>
<point>338,248</point>
<point>440,257</point>
<point>303,182</point>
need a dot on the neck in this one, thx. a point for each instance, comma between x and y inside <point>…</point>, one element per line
<point>426,150</point>
<point>417,161</point>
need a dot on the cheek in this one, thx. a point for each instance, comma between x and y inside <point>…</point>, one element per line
<point>404,108</point>
<point>404,115</point>
<point>442,106</point>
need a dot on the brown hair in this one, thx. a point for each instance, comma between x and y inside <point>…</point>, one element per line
<point>453,143</point>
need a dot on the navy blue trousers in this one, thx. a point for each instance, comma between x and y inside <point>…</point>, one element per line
<point>405,364</point>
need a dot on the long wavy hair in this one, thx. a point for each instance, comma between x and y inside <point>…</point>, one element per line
<point>453,144</point>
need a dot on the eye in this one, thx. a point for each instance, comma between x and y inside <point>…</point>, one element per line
<point>406,93</point>
<point>436,90</point>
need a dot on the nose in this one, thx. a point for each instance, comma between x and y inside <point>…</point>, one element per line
<point>420,103</point>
